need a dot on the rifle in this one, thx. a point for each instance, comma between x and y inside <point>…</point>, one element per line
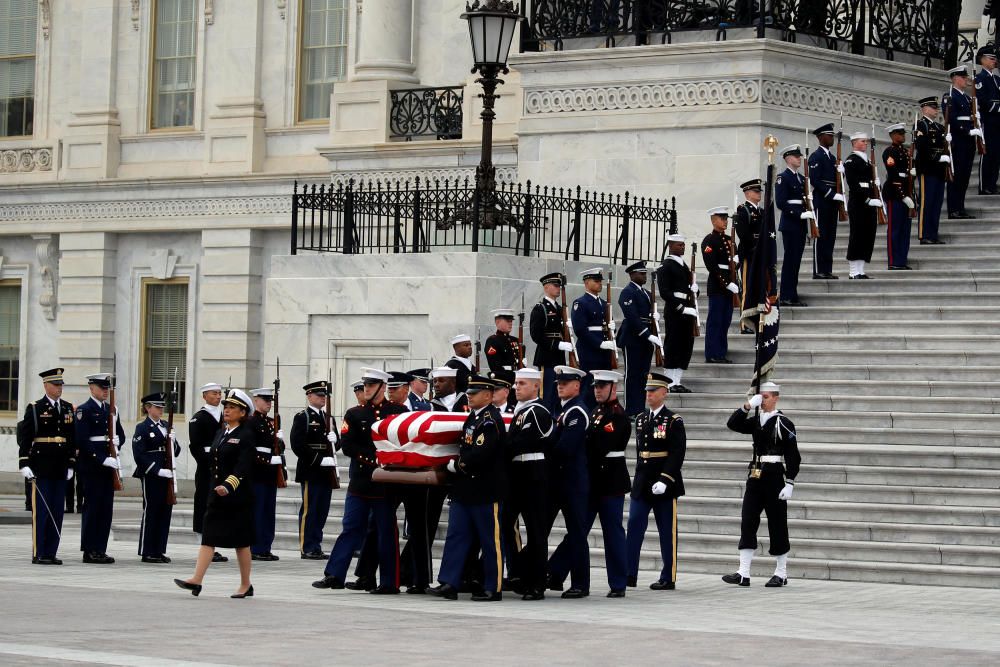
<point>520,335</point>
<point>565,324</point>
<point>275,447</point>
<point>654,327</point>
<point>478,368</point>
<point>876,190</point>
<point>112,416</point>
<point>169,459</point>
<point>693,301</point>
<point>807,198</point>
<point>842,207</point>
<point>607,321</point>
<point>734,277</point>
<point>910,186</point>
<point>949,175</point>
<point>334,472</point>
<point>980,146</point>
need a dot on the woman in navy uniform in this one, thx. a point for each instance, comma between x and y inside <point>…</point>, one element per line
<point>149,452</point>
<point>267,467</point>
<point>229,520</point>
<point>202,428</point>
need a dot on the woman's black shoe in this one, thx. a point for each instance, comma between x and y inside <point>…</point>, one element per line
<point>247,594</point>
<point>219,558</point>
<point>534,595</point>
<point>194,588</point>
<point>446,591</point>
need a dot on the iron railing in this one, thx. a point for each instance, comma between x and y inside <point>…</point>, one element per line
<point>426,113</point>
<point>421,216</point>
<point>925,28</point>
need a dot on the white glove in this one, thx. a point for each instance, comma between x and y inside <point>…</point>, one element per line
<point>612,326</point>
<point>116,441</point>
<point>755,401</point>
<point>565,347</point>
<point>69,474</point>
<point>691,312</point>
<point>736,259</point>
<point>659,489</point>
<point>733,287</point>
<point>608,345</point>
<point>280,435</point>
<point>786,492</point>
<point>875,203</point>
<point>840,168</point>
<point>913,171</point>
<point>944,158</point>
<point>332,437</point>
<point>276,460</point>
<point>112,462</point>
<point>909,202</point>
<point>165,473</point>
<point>327,462</point>
<point>807,215</point>
<point>451,466</point>
<point>28,474</point>
<point>878,183</point>
<point>655,340</point>
<point>174,439</point>
<point>694,288</point>
<point>976,132</point>
<point>947,137</point>
<point>838,197</point>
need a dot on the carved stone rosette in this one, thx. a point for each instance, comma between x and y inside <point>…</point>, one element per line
<point>20,160</point>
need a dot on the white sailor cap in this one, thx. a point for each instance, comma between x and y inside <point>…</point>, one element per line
<point>564,373</point>
<point>594,274</point>
<point>859,136</point>
<point>239,398</point>
<point>719,210</point>
<point>263,392</point>
<point>460,338</point>
<point>958,71</point>
<point>211,386</point>
<point>771,387</point>
<point>502,312</point>
<point>897,127</point>
<point>444,372</point>
<point>374,375</point>
<point>794,149</point>
<point>100,379</point>
<point>607,376</point>
<point>528,373</point>
<point>675,238</point>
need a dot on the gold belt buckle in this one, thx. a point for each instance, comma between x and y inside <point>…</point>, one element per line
<point>754,473</point>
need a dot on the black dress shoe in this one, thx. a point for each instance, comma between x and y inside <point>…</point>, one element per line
<point>679,389</point>
<point>632,582</point>
<point>798,303</point>
<point>361,584</point>
<point>938,242</point>
<point>246,594</point>
<point>554,585</point>
<point>446,591</point>
<point>537,594</point>
<point>515,585</point>
<point>736,578</point>
<point>416,590</point>
<point>953,216</point>
<point>46,561</point>
<point>487,596</point>
<point>328,582</point>
<point>746,331</point>
<point>863,276</point>
<point>314,555</point>
<point>662,586</point>
<point>155,559</point>
<point>619,593</point>
<point>384,590</point>
<point>964,215</point>
<point>219,558</point>
<point>98,559</point>
<point>575,594</point>
<point>194,588</point>
<point>718,360</point>
<point>776,582</point>
<point>831,276</point>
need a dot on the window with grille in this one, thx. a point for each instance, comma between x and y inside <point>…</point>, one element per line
<point>10,344</point>
<point>165,339</point>
<point>18,26</point>
<point>174,63</point>
<point>323,58</point>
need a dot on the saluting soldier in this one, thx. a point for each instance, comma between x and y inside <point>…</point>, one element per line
<point>149,450</point>
<point>545,328</point>
<point>896,158</point>
<point>592,350</point>
<point>477,487</point>
<point>988,104</point>
<point>789,193</point>
<point>826,201</point>
<point>770,481</point>
<point>717,252</point>
<point>962,136</point>
<point>461,361</point>
<point>503,352</point>
<point>415,400</point>
<point>660,445</point>
<point>202,429</point>
<point>267,466</point>
<point>861,208</point>
<point>678,289</point>
<point>46,446</point>
<point>636,337</point>
<point>931,160</point>
<point>747,224</point>
<point>97,468</point>
<point>315,445</point>
<point>446,397</point>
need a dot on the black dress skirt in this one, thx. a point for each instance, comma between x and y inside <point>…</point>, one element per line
<point>229,521</point>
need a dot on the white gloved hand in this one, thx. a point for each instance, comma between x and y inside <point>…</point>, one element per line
<point>451,466</point>
<point>944,158</point>
<point>174,439</point>
<point>976,132</point>
<point>332,437</point>
<point>280,435</point>
<point>786,492</point>
<point>694,287</point>
<point>733,287</point>
<point>565,347</point>
<point>276,460</point>
<point>655,340</point>
<point>840,168</point>
<point>913,171</point>
<point>736,259</point>
<point>327,462</point>
<point>909,202</point>
<point>608,345</point>
<point>690,312</point>
<point>878,183</point>
<point>807,215</point>
<point>875,203</point>
<point>165,473</point>
<point>612,326</point>
<point>112,462</point>
<point>756,400</point>
<point>659,489</point>
<point>116,441</point>
<point>947,137</point>
<point>838,197</point>
<point>28,474</point>
<point>69,474</point>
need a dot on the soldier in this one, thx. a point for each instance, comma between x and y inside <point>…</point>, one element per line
<point>365,497</point>
<point>476,490</point>
<point>717,252</point>
<point>770,481</point>
<point>931,161</point>
<point>636,338</point>
<point>747,222</point>
<point>502,399</point>
<point>896,158</point>
<point>461,361</point>
<point>545,327</point>
<point>149,450</point>
<point>503,352</point>
<point>527,498</point>
<point>314,440</point>
<point>658,483</point>
<point>861,208</point>
<point>677,288</point>
<point>592,350</point>
<point>358,387</point>
<point>988,104</point>
<point>962,135</point>
<point>789,191</point>
<point>97,468</point>
<point>202,428</point>
<point>826,201</point>
<point>46,454</point>
<point>415,400</point>
<point>266,468</point>
<point>446,398</point>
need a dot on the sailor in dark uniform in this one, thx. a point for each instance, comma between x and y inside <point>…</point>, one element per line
<point>988,105</point>
<point>446,397</point>
<point>594,348</point>
<point>770,481</point>
<point>503,351</point>
<point>826,201</point>
<point>98,468</point>
<point>747,224</point>
<point>931,160</point>
<point>415,400</point>
<point>677,288</point>
<point>789,194</point>
<point>46,454</point>
<point>545,327</point>
<point>896,194</point>
<point>268,465</point>
<point>315,445</point>
<point>717,252</point>
<point>202,428</point>
<point>660,445</point>
<point>461,361</point>
<point>502,399</point>
<point>636,337</point>
<point>149,450</point>
<point>957,107</point>
<point>862,207</point>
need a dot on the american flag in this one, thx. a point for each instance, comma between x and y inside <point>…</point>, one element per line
<point>761,311</point>
<point>419,439</point>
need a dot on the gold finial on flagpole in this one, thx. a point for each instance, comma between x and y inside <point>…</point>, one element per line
<point>770,143</point>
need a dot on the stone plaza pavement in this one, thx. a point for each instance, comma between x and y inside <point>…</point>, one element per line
<point>131,614</point>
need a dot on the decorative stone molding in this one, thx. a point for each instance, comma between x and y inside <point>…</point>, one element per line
<point>136,14</point>
<point>503,174</point>
<point>162,263</point>
<point>282,6</point>
<point>209,12</point>
<point>642,96</point>
<point>151,209</point>
<point>46,11</point>
<point>832,102</point>
<point>47,252</point>
<point>17,160</point>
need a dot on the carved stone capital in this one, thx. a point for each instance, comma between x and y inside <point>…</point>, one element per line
<point>45,8</point>
<point>47,253</point>
<point>136,14</point>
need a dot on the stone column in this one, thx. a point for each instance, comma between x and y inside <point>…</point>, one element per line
<point>386,42</point>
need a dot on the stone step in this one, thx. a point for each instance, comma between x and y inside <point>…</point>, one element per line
<point>913,281</point>
<point>860,301</point>
<point>938,456</point>
<point>941,312</point>
<point>932,362</point>
<point>792,385</point>
<point>954,367</point>
<point>901,340</point>
<point>849,325</point>
<point>838,403</point>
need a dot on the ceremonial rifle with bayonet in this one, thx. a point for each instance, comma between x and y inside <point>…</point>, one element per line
<point>883,217</point>
<point>112,418</point>
<point>607,324</point>
<point>275,443</point>
<point>520,335</point>
<point>566,337</point>
<point>841,188</point>
<point>331,452</point>
<point>169,460</point>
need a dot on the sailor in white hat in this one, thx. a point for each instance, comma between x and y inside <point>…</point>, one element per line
<point>789,196</point>
<point>202,427</point>
<point>461,360</point>
<point>447,398</point>
<point>678,290</point>
<point>862,206</point>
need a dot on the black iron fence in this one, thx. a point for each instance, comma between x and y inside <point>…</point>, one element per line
<point>925,28</point>
<point>423,215</point>
<point>426,113</point>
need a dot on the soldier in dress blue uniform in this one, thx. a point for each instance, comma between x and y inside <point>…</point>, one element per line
<point>931,161</point>
<point>502,398</point>
<point>97,469</point>
<point>46,454</point>
<point>149,450</point>
<point>660,445</point>
<point>862,207</point>
<point>789,190</point>
<point>545,327</point>
<point>477,487</point>
<point>747,223</point>
<point>593,351</point>
<point>898,202</point>
<point>988,103</point>
<point>826,201</point>
<point>678,290</point>
<point>462,360</point>
<point>570,479</point>
<point>202,429</point>
<point>635,337</point>
<point>415,400</point>
<point>315,445</point>
<point>503,352</point>
<point>716,252</point>
<point>770,481</point>
<point>267,466</point>
<point>957,105</point>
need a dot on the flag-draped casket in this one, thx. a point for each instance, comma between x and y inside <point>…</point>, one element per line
<point>419,439</point>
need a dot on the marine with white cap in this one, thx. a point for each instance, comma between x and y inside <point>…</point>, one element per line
<point>862,207</point>
<point>503,351</point>
<point>896,194</point>
<point>312,442</point>
<point>957,106</point>
<point>789,196</point>
<point>770,481</point>
<point>717,251</point>
<point>678,291</point>
<point>636,337</point>
<point>461,360</point>
<point>202,427</point>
